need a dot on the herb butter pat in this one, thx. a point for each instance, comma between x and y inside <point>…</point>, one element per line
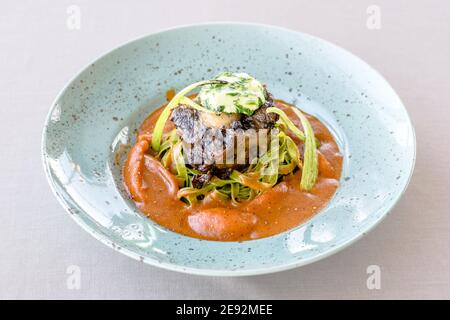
<point>240,93</point>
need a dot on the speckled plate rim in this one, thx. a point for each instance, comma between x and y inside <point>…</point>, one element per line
<point>68,206</point>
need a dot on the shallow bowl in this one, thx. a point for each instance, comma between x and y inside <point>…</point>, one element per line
<point>96,114</point>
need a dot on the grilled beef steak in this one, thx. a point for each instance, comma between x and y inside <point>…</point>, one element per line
<point>206,146</point>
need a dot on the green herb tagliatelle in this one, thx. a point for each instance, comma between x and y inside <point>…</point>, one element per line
<point>310,169</point>
<point>260,176</point>
<point>289,124</point>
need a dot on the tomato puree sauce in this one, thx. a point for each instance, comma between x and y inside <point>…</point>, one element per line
<point>153,188</point>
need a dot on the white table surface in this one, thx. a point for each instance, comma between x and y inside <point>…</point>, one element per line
<point>39,241</point>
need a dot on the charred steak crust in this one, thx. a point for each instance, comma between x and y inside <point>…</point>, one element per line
<point>260,119</point>
<point>188,123</point>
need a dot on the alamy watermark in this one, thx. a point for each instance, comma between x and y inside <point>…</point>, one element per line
<point>73,21</point>
<point>73,281</point>
<point>231,147</point>
<point>373,21</point>
<point>373,281</point>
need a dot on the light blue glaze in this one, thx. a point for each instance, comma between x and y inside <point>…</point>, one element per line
<point>100,108</point>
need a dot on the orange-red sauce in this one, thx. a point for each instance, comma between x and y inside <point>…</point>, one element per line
<point>153,188</point>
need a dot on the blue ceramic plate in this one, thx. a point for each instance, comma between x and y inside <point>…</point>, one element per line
<point>96,114</point>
